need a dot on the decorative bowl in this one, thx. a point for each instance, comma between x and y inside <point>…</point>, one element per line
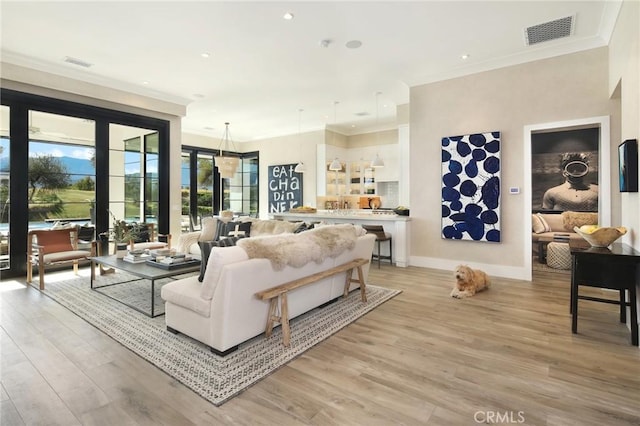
<point>602,237</point>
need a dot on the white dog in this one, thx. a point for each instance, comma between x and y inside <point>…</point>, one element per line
<point>468,281</point>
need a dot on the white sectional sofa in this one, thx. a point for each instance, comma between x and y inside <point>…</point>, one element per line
<point>223,312</point>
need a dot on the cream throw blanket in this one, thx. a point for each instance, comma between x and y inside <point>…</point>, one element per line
<point>297,250</point>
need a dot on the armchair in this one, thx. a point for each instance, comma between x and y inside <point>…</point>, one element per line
<point>145,237</point>
<point>53,247</point>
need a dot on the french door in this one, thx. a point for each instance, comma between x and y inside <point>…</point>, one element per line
<point>63,161</point>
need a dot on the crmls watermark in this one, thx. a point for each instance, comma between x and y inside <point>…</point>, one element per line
<point>499,417</point>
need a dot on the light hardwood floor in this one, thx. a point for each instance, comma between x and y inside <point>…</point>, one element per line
<point>503,356</point>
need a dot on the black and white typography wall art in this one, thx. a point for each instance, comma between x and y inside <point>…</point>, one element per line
<point>285,188</point>
<point>471,187</point>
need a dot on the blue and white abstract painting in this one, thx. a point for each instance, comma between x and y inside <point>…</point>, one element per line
<point>471,187</point>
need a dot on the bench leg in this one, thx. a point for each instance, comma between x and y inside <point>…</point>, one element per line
<point>284,320</point>
<point>272,317</point>
<point>363,285</point>
<point>360,280</point>
<point>347,282</point>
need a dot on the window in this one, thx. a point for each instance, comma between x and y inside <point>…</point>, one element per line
<point>204,193</point>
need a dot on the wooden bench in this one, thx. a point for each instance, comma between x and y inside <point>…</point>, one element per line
<point>280,292</point>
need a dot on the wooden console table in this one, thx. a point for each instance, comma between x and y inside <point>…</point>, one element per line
<point>614,268</point>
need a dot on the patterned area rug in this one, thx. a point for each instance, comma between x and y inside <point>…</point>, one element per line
<point>134,291</point>
<point>213,377</point>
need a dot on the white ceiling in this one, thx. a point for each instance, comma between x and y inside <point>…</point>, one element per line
<point>262,69</point>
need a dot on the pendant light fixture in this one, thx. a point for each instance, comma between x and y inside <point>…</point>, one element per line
<point>227,165</point>
<point>377,161</point>
<point>300,167</point>
<point>335,164</point>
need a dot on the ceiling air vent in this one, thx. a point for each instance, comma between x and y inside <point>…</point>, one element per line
<point>76,61</point>
<point>551,30</point>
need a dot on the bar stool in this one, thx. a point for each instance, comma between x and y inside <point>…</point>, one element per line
<point>381,236</point>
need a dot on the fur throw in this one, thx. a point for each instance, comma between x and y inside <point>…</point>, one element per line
<point>572,219</point>
<point>297,250</point>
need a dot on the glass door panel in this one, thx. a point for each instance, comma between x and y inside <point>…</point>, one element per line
<point>5,178</point>
<point>185,193</point>
<point>205,185</point>
<point>62,172</point>
<point>133,173</point>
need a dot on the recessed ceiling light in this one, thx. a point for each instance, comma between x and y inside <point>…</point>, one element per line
<point>465,56</point>
<point>353,44</point>
<point>145,82</point>
<point>204,54</point>
<point>288,16</point>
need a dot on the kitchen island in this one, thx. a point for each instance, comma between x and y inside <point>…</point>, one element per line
<point>396,225</point>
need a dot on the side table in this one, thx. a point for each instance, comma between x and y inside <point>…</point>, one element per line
<point>613,268</point>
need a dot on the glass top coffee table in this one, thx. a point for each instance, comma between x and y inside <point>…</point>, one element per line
<point>140,271</point>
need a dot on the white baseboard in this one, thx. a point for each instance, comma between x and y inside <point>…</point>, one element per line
<point>517,273</point>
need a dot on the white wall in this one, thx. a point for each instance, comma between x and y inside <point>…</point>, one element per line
<point>287,150</point>
<point>506,100</point>
<point>624,86</point>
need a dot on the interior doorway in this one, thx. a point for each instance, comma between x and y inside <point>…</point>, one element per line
<point>604,176</point>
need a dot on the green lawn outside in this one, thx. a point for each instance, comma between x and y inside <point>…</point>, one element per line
<point>76,204</point>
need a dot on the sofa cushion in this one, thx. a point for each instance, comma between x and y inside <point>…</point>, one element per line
<point>219,257</point>
<point>209,229</point>
<point>186,293</point>
<point>273,227</point>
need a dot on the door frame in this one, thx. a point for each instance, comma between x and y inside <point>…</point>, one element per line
<point>604,173</point>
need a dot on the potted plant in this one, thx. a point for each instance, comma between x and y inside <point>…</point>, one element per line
<point>121,233</point>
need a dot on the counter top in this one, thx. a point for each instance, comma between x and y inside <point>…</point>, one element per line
<point>345,214</point>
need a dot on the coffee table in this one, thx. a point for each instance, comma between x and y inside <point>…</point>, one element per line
<point>140,270</point>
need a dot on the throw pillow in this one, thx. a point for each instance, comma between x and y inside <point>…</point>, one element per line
<point>577,219</point>
<point>209,229</point>
<point>236,229</point>
<point>536,224</point>
<point>301,228</point>
<point>228,241</point>
<point>226,216</point>
<point>205,251</point>
<point>544,223</point>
